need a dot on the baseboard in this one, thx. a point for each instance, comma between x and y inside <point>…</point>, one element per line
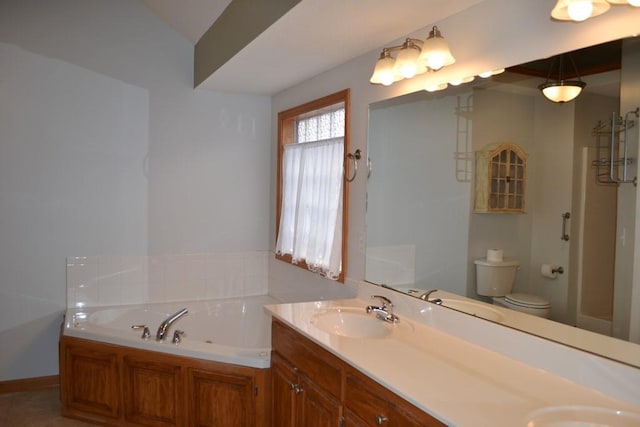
<point>29,384</point>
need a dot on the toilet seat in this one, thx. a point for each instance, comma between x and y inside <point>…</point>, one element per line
<point>528,301</point>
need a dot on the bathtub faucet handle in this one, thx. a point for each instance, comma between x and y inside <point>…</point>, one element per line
<point>177,337</point>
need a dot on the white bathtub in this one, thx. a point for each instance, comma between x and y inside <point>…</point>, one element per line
<point>236,331</point>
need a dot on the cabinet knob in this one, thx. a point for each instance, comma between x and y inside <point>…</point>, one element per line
<point>381,419</point>
<point>296,388</point>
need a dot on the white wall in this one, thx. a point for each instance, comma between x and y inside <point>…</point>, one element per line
<point>105,149</point>
<point>413,184</point>
<point>493,34</point>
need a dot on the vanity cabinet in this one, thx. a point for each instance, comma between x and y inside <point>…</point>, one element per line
<point>312,387</point>
<point>306,381</point>
<point>500,178</point>
<point>114,385</point>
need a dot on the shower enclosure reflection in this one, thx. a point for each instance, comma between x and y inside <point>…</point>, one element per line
<point>422,234</point>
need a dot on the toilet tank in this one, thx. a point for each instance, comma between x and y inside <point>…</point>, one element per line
<point>495,278</point>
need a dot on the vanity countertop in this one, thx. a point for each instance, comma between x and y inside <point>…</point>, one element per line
<point>458,382</point>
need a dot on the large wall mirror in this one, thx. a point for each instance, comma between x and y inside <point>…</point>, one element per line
<point>423,233</point>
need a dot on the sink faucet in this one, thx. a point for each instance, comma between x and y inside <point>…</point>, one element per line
<point>164,326</point>
<point>384,311</point>
<point>425,297</point>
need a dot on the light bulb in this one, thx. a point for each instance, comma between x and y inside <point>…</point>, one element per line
<point>580,10</point>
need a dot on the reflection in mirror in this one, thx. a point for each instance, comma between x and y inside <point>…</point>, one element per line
<point>423,233</point>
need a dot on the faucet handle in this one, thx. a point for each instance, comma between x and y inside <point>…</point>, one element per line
<point>177,337</point>
<point>384,300</point>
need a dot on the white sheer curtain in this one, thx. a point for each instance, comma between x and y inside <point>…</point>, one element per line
<point>311,216</point>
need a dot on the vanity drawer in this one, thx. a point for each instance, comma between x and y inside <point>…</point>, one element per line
<point>368,403</point>
<point>309,359</point>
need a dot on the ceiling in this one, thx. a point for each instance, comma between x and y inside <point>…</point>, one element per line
<point>313,37</point>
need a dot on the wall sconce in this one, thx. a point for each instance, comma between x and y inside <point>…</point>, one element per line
<point>561,90</point>
<point>414,57</point>
<point>580,10</point>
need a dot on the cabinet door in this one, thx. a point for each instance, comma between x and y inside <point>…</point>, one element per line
<point>90,380</point>
<point>316,408</point>
<point>153,392</point>
<point>217,399</point>
<point>500,179</point>
<point>284,383</point>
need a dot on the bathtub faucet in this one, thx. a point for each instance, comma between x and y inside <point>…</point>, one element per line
<point>164,326</point>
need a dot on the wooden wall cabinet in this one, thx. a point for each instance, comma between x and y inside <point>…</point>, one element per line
<point>500,178</point>
<point>313,388</point>
<point>115,385</point>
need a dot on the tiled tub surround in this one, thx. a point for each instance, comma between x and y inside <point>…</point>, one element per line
<point>94,281</point>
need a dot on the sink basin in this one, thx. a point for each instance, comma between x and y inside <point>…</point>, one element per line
<point>581,416</point>
<point>474,308</point>
<point>352,322</point>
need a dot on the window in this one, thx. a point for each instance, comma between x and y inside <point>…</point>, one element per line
<point>311,224</point>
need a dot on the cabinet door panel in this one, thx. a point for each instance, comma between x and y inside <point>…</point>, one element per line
<point>316,407</point>
<point>221,399</point>
<point>151,392</point>
<point>284,380</point>
<point>90,381</point>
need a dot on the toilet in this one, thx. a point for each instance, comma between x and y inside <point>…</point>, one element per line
<point>496,278</point>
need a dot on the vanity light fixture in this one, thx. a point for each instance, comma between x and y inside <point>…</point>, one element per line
<point>560,90</point>
<point>436,87</point>
<point>435,51</point>
<point>634,3</point>
<point>414,57</point>
<point>580,10</point>
<point>487,74</point>
<point>458,82</point>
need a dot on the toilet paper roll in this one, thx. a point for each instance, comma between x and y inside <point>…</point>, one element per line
<point>495,254</point>
<point>549,271</point>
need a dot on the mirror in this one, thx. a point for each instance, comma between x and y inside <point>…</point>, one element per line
<point>422,233</point>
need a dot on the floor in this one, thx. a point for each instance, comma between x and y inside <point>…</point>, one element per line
<point>39,408</point>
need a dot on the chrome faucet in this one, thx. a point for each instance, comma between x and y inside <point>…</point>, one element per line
<point>425,297</point>
<point>384,311</point>
<point>164,326</point>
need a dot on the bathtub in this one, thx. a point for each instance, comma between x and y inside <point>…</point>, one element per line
<point>236,331</point>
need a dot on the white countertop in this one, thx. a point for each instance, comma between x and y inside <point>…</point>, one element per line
<point>460,383</point>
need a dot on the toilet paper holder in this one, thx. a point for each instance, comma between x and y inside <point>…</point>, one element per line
<point>558,270</point>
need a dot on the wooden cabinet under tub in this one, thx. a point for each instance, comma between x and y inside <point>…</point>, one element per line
<point>116,385</point>
<point>312,387</point>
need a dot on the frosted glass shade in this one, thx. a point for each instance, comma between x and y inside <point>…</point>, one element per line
<point>579,10</point>
<point>436,54</point>
<point>406,63</point>
<point>635,3</point>
<point>383,72</point>
<point>562,91</point>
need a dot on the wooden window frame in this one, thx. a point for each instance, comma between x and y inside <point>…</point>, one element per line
<point>286,135</point>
